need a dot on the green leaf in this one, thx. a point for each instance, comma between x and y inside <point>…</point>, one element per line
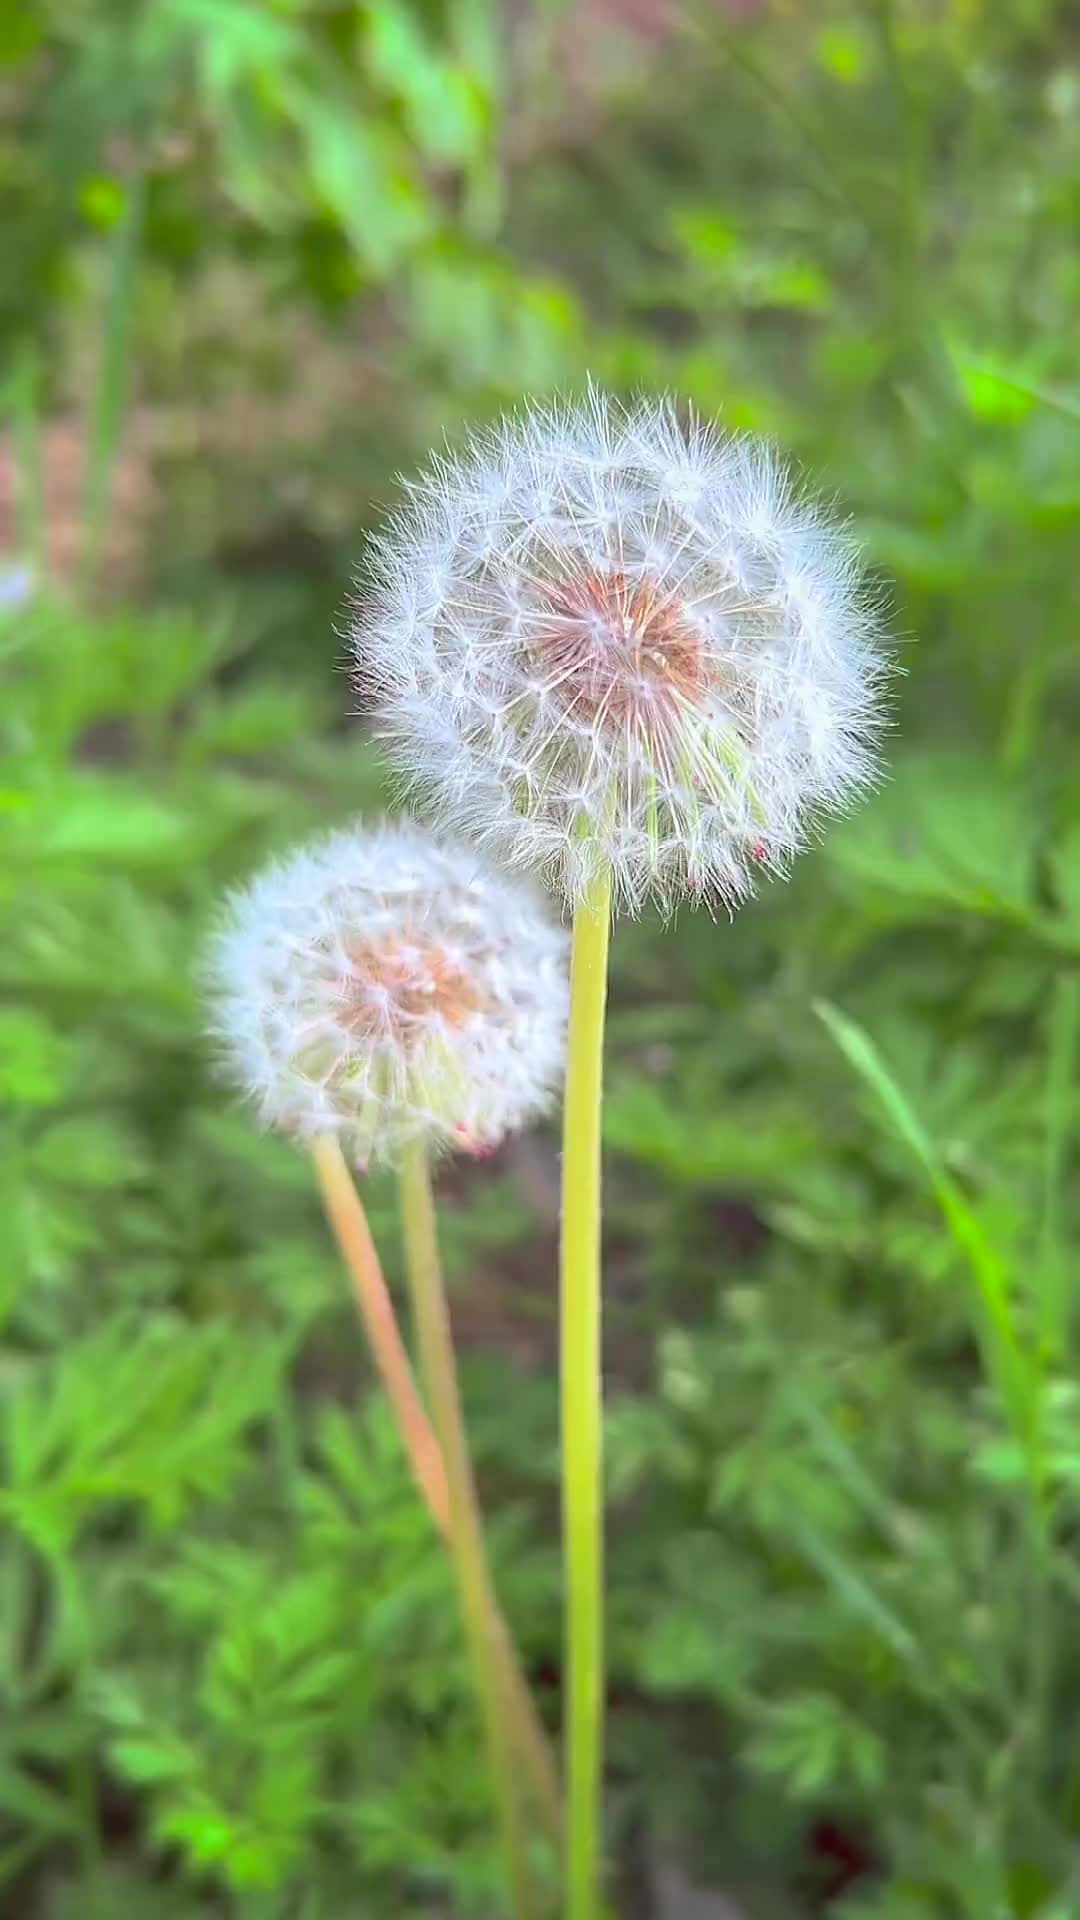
<point>948,830</point>
<point>993,388</point>
<point>365,178</point>
<point>706,233</point>
<point>238,41</point>
<point>814,1744</point>
<point>761,1141</point>
<point>151,1761</point>
<point>35,1063</point>
<point>86,818</point>
<point>38,1805</point>
<point>98,1151</point>
<point>448,111</point>
<point>999,389</point>
<point>682,1651</point>
<point>254,720</point>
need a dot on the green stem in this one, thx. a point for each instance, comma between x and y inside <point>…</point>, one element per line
<point>439,1373</point>
<point>582,1399</point>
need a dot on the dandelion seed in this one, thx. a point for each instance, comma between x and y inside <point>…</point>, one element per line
<point>608,637</point>
<point>382,985</point>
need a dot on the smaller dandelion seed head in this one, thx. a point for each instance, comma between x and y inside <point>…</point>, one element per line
<point>617,633</point>
<point>381,984</point>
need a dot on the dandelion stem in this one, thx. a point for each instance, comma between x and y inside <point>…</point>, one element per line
<point>348,1219</point>
<point>582,1399</point>
<point>479,1607</point>
<point>345,1211</point>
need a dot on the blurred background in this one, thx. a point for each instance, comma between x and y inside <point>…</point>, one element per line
<point>259,255</point>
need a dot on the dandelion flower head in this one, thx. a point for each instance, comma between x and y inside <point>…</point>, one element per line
<point>381,984</point>
<point>611,634</point>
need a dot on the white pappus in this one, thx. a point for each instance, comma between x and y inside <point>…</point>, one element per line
<point>606,633</point>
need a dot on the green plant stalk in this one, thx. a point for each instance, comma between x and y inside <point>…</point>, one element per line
<point>1064,1044</point>
<point>582,1399</point>
<point>348,1219</point>
<point>1054,1329</point>
<point>439,1373</point>
<point>110,397</point>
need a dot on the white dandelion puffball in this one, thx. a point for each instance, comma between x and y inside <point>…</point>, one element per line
<point>605,634</point>
<point>381,985</point>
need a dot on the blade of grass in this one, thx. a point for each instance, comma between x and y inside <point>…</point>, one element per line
<point>1014,1370</point>
<point>1007,1364</point>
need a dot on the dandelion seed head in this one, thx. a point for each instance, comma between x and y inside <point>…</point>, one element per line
<point>381,984</point>
<point>616,634</point>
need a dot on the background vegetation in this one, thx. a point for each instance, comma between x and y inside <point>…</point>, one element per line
<point>258,255</point>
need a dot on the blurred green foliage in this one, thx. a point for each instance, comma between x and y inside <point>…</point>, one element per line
<point>270,250</point>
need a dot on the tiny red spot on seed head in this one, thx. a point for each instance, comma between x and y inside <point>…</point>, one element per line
<point>470,1144</point>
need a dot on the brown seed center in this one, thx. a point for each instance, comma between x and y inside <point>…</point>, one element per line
<point>616,650</point>
<point>401,982</point>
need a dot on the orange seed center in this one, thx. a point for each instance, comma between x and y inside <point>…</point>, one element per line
<point>402,980</point>
<point>616,650</point>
